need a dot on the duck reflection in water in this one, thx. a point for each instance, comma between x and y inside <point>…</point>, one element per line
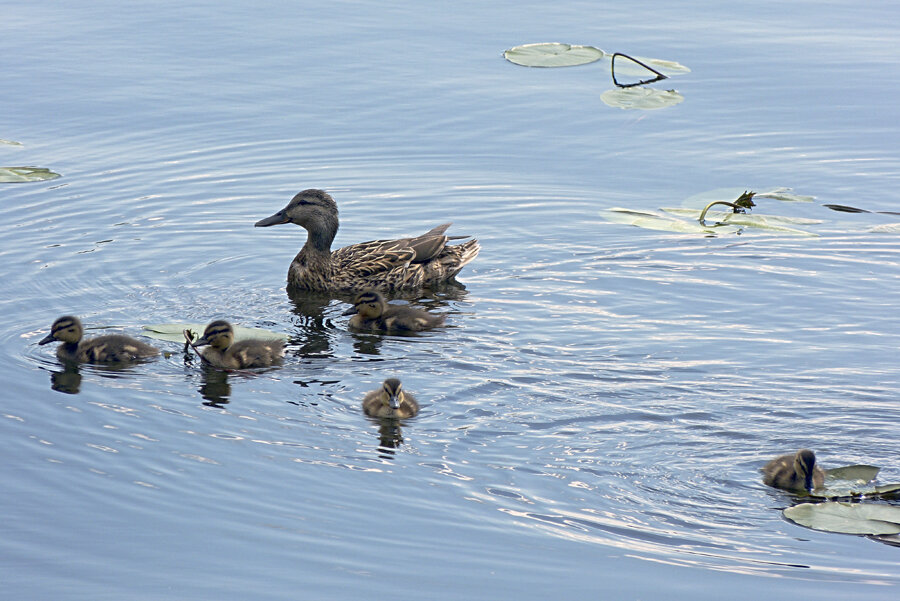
<point>214,386</point>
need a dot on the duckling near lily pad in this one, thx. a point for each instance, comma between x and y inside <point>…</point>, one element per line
<point>371,312</point>
<point>797,472</point>
<point>109,348</point>
<point>390,401</point>
<point>224,352</point>
<point>403,264</point>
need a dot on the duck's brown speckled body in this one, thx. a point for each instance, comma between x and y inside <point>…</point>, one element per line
<point>387,265</point>
<point>797,472</point>
<point>110,348</point>
<point>372,313</point>
<point>390,401</point>
<point>225,353</point>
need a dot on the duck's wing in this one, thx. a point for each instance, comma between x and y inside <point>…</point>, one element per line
<point>366,259</point>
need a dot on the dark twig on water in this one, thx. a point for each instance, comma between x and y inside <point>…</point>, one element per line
<point>659,76</point>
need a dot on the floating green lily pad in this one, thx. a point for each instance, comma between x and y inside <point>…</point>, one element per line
<point>552,54</point>
<point>10,142</point>
<point>15,175</point>
<point>729,194</point>
<point>653,221</point>
<point>631,68</point>
<point>647,99</point>
<point>859,473</point>
<point>766,222</point>
<point>174,332</point>
<point>846,518</point>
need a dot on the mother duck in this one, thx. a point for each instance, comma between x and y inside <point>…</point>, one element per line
<point>387,265</point>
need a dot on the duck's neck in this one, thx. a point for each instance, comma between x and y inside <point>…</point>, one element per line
<point>320,235</point>
<point>67,350</point>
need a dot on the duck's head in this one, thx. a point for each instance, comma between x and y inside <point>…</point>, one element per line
<point>311,207</point>
<point>218,334</point>
<point>390,393</point>
<point>804,464</point>
<point>65,329</point>
<point>369,304</point>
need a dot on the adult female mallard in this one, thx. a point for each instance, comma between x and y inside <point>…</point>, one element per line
<point>797,472</point>
<point>110,348</point>
<point>224,352</point>
<point>374,314</point>
<point>404,264</point>
<point>390,401</point>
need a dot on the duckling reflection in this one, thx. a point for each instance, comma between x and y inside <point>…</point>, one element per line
<point>110,348</point>
<point>68,380</point>
<point>797,472</point>
<point>214,387</point>
<point>403,264</point>
<point>390,401</point>
<point>371,312</point>
<point>390,435</point>
<point>225,353</point>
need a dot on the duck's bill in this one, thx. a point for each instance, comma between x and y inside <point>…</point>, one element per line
<point>47,339</point>
<point>350,311</point>
<point>395,402</point>
<point>276,219</point>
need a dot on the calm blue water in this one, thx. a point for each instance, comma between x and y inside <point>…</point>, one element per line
<point>596,411</point>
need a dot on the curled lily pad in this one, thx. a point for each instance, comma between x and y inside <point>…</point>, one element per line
<point>859,473</point>
<point>847,518</point>
<point>552,54</point>
<point>15,175</point>
<point>641,98</point>
<point>653,221</point>
<point>174,332</point>
<point>10,142</point>
<point>633,68</point>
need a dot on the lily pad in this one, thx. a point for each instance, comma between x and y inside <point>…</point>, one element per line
<point>786,195</point>
<point>631,68</point>
<point>859,473</point>
<point>647,99</point>
<point>765,222</point>
<point>653,221</point>
<point>174,332</point>
<point>10,142</point>
<point>729,194</point>
<point>847,518</point>
<point>552,54</point>
<point>15,175</point>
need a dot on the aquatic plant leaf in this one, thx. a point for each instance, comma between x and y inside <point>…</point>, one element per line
<point>10,142</point>
<point>847,518</point>
<point>552,54</point>
<point>887,489</point>
<point>786,195</point>
<point>653,221</point>
<point>886,228</point>
<point>631,68</point>
<point>15,175</point>
<point>860,473</point>
<point>647,99</point>
<point>174,332</point>
<point>764,222</point>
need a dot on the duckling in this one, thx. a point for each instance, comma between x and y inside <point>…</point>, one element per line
<point>110,348</point>
<point>403,264</point>
<point>225,353</point>
<point>373,313</point>
<point>797,472</point>
<point>390,401</point>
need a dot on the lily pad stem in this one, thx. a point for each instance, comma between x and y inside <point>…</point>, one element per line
<point>189,340</point>
<point>712,204</point>
<point>659,76</point>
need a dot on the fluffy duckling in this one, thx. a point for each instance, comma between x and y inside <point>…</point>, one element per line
<point>390,401</point>
<point>371,312</point>
<point>403,264</point>
<point>224,352</point>
<point>797,472</point>
<point>110,348</point>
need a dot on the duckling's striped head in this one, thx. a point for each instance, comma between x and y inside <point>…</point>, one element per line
<point>391,390</point>
<point>65,329</point>
<point>218,334</point>
<point>804,464</point>
<point>369,304</point>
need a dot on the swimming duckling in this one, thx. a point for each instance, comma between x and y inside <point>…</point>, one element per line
<point>225,353</point>
<point>373,313</point>
<point>403,264</point>
<point>109,348</point>
<point>797,472</point>
<point>390,401</point>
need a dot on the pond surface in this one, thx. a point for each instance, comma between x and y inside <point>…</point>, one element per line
<point>598,407</point>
